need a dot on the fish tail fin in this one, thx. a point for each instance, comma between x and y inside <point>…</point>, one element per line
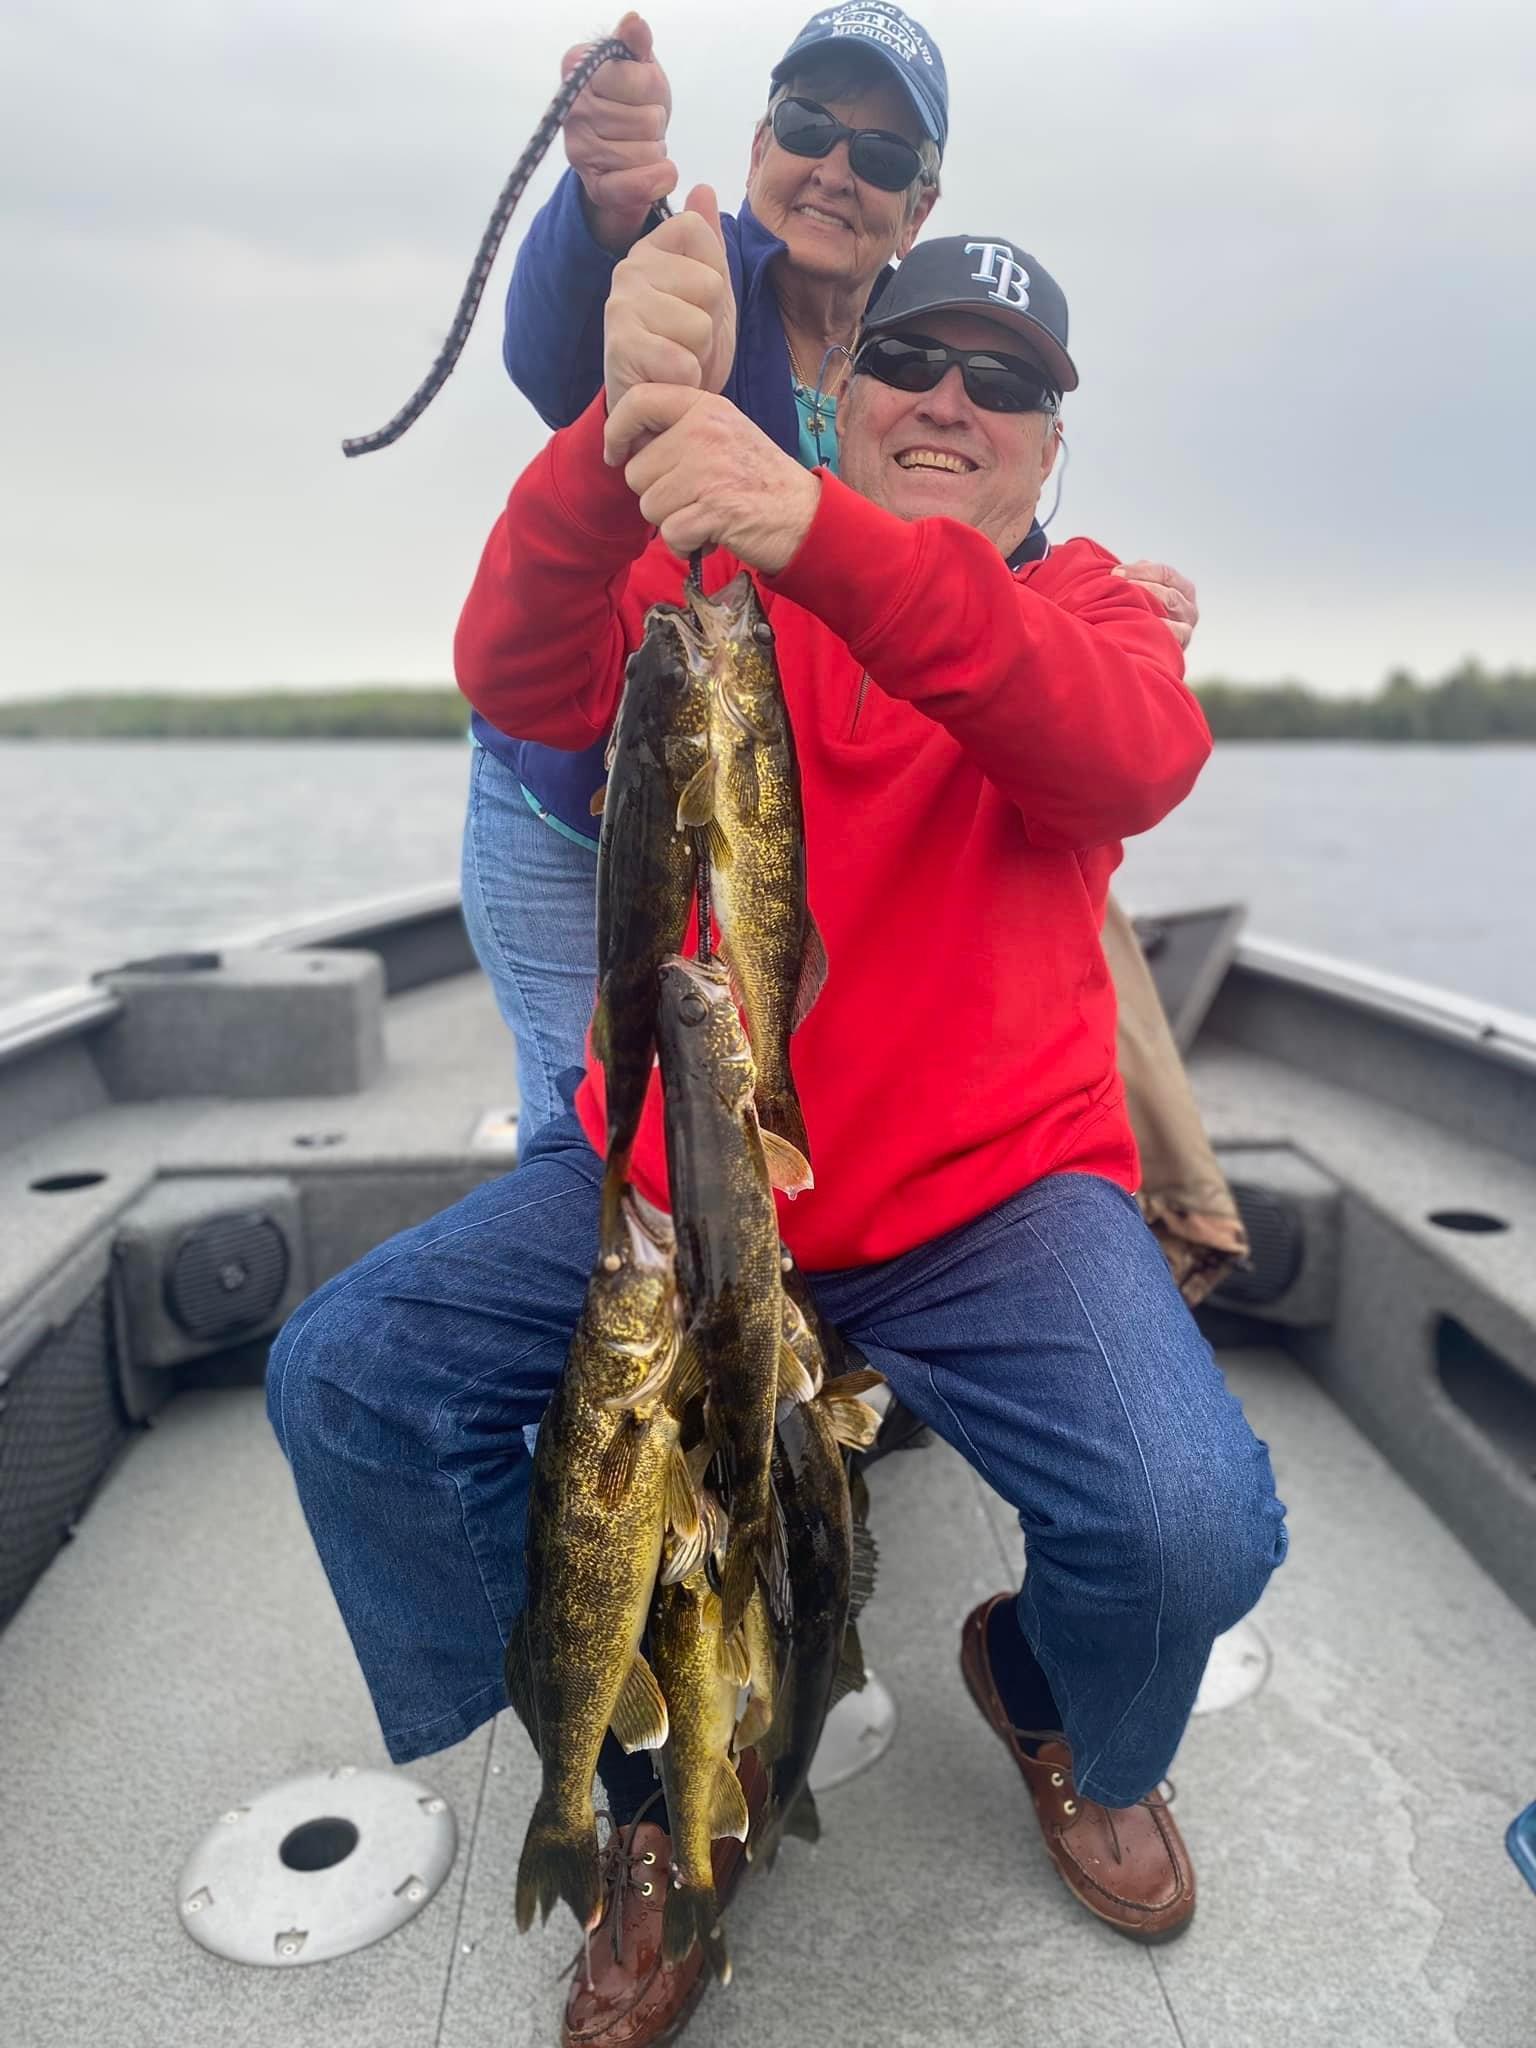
<point>786,1147</point>
<point>558,1863</point>
<point>691,1915</point>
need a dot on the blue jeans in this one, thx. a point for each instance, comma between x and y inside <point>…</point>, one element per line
<point>1046,1341</point>
<point>530,907</point>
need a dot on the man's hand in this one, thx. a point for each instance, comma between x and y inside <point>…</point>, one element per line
<point>671,313</point>
<point>1173,592</point>
<point>616,137</point>
<point>706,477</point>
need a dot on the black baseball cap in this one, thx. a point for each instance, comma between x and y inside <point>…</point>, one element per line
<point>885,31</point>
<point>982,274</point>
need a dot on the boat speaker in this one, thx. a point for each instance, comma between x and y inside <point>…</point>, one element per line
<point>200,1265</point>
<point>1276,1245</point>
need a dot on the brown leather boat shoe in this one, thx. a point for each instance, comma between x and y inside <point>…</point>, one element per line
<point>624,1992</point>
<point>1127,1864</point>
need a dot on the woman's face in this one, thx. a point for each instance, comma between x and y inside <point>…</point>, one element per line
<point>834,226</point>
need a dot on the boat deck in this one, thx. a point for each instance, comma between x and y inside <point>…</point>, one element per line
<point>1346,1821</point>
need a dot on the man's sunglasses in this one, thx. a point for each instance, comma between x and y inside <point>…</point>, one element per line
<point>874,154</point>
<point>993,381</point>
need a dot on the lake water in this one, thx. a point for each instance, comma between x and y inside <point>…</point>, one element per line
<point>1419,860</point>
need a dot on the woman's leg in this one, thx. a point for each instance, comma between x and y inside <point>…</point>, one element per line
<point>530,907</point>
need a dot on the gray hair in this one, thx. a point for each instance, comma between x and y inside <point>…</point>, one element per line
<point>839,81</point>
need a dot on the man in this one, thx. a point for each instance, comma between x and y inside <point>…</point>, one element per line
<point>808,254</point>
<point>979,719</point>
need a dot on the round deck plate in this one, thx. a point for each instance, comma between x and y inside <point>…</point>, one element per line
<point>1239,1665</point>
<point>370,1847</point>
<point>858,1732</point>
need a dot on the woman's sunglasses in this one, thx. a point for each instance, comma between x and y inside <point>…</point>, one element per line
<point>995,382</point>
<point>875,155</point>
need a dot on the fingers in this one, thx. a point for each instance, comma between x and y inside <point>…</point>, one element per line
<point>634,32</point>
<point>702,201</point>
<point>622,81</point>
<point>1171,590</point>
<point>633,191</point>
<point>644,412</point>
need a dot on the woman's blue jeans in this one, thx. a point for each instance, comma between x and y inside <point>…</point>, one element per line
<point>530,907</point>
<point>1046,1341</point>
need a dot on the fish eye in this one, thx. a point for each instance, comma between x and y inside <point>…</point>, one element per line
<point>764,632</point>
<point>693,1009</point>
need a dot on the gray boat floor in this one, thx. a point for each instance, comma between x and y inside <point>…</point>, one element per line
<point>1346,1822</point>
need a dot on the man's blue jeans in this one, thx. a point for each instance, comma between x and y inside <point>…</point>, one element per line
<point>530,908</point>
<point>1046,1341</point>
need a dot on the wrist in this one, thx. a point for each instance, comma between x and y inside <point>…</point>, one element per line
<point>614,230</point>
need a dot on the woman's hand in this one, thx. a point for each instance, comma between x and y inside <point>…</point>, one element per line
<point>1173,592</point>
<point>616,137</point>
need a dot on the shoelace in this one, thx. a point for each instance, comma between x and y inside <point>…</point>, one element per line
<point>621,1870</point>
<point>1055,1735</point>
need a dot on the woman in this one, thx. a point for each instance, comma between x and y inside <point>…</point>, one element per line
<point>844,172</point>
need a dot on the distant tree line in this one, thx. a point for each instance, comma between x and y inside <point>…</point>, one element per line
<point>1470,704</point>
<point>364,712</point>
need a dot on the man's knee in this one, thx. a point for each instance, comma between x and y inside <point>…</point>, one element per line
<point>1217,1544</point>
<point>311,1359</point>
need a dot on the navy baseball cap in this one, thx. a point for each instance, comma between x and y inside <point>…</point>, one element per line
<point>985,275</point>
<point>885,31</point>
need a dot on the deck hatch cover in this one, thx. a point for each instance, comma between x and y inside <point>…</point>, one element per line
<point>365,1851</point>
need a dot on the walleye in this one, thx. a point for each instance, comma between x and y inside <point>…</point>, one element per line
<point>727,1254</point>
<point>746,799</point>
<point>701,1672</point>
<point>607,1477</point>
<point>828,1558</point>
<point>645,872</point>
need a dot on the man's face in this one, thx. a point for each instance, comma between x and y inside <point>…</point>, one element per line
<point>835,226</point>
<point>924,454</point>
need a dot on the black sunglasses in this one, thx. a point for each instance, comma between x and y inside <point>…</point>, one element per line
<point>993,381</point>
<point>875,155</point>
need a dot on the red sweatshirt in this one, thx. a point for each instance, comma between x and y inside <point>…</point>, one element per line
<point>974,744</point>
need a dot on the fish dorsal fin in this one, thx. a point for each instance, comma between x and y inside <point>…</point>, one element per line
<point>518,1669</point>
<point>802,1820</point>
<point>689,1382</point>
<point>602,1037</point>
<point>616,1468</point>
<point>735,1658</point>
<point>682,1498</point>
<point>795,1383</point>
<point>813,973</point>
<point>716,844</point>
<point>854,1424</point>
<point>788,1167</point>
<point>851,1675</point>
<point>754,1723</point>
<point>861,1578</point>
<point>640,1718</point>
<point>859,1381</point>
<point>696,805</point>
<point>728,1814</point>
<point>745,784</point>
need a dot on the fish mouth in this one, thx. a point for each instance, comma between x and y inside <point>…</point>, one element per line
<point>728,615</point>
<point>709,978</point>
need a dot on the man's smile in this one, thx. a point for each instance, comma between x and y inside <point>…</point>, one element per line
<point>935,458</point>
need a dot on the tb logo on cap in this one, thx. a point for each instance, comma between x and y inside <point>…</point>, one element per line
<point>1002,270</point>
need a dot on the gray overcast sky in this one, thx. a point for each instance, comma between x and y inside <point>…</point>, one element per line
<point>1297,241</point>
